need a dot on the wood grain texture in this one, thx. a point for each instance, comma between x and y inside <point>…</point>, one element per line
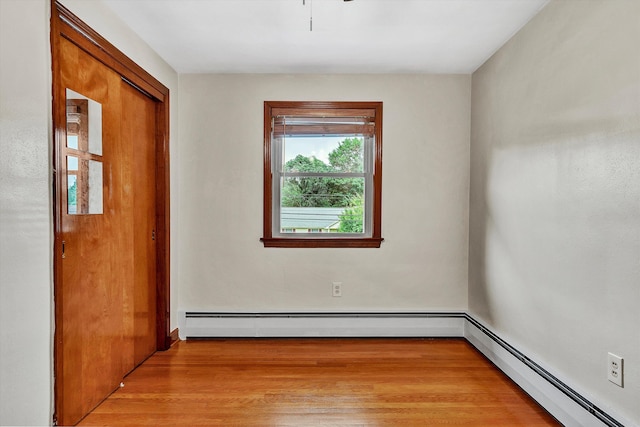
<point>89,307</point>
<point>111,291</point>
<point>319,382</point>
<point>138,133</point>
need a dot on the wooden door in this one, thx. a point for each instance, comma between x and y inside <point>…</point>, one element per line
<point>91,306</point>
<point>106,292</point>
<point>138,133</point>
<point>111,252</point>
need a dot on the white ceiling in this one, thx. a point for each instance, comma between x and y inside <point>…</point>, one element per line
<point>360,36</point>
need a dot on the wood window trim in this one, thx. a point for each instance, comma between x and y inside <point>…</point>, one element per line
<point>272,108</point>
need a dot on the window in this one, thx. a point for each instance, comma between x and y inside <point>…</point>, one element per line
<point>322,174</point>
<point>84,155</point>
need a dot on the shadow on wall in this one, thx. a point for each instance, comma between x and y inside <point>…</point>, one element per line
<point>556,212</point>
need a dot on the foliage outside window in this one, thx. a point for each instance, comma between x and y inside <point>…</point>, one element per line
<point>322,174</point>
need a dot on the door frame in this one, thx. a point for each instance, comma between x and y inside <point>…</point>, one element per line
<point>65,24</point>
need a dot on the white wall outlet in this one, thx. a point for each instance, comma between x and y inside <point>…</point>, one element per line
<point>614,369</point>
<point>336,289</point>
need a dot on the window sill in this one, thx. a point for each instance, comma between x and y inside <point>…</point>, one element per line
<point>335,242</point>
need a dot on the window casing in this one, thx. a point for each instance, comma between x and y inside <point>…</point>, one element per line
<point>322,174</point>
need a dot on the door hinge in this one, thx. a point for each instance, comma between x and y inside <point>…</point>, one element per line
<point>153,234</point>
<point>63,245</point>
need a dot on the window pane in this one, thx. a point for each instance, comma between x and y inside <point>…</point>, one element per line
<point>322,205</point>
<point>338,154</point>
<point>84,123</point>
<point>72,141</point>
<point>72,163</point>
<point>95,187</point>
<point>84,186</point>
<point>72,191</point>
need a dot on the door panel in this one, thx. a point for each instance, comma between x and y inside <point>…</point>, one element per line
<point>92,307</point>
<point>105,295</point>
<point>138,128</point>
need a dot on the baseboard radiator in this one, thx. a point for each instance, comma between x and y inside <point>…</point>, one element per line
<point>208,325</point>
<point>563,402</point>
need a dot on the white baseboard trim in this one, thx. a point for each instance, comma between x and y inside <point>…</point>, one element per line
<point>560,400</point>
<point>218,325</point>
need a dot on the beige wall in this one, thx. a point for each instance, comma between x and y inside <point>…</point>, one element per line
<point>555,195</point>
<point>25,214</point>
<point>26,326</point>
<point>422,264</point>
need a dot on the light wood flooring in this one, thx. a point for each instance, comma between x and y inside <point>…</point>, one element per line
<point>319,382</point>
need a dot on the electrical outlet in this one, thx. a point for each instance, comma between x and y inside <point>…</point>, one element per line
<point>336,289</point>
<point>614,369</point>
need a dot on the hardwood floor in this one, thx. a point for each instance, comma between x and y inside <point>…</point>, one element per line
<point>319,382</point>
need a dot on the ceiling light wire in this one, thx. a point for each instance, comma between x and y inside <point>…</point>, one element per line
<point>304,2</point>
